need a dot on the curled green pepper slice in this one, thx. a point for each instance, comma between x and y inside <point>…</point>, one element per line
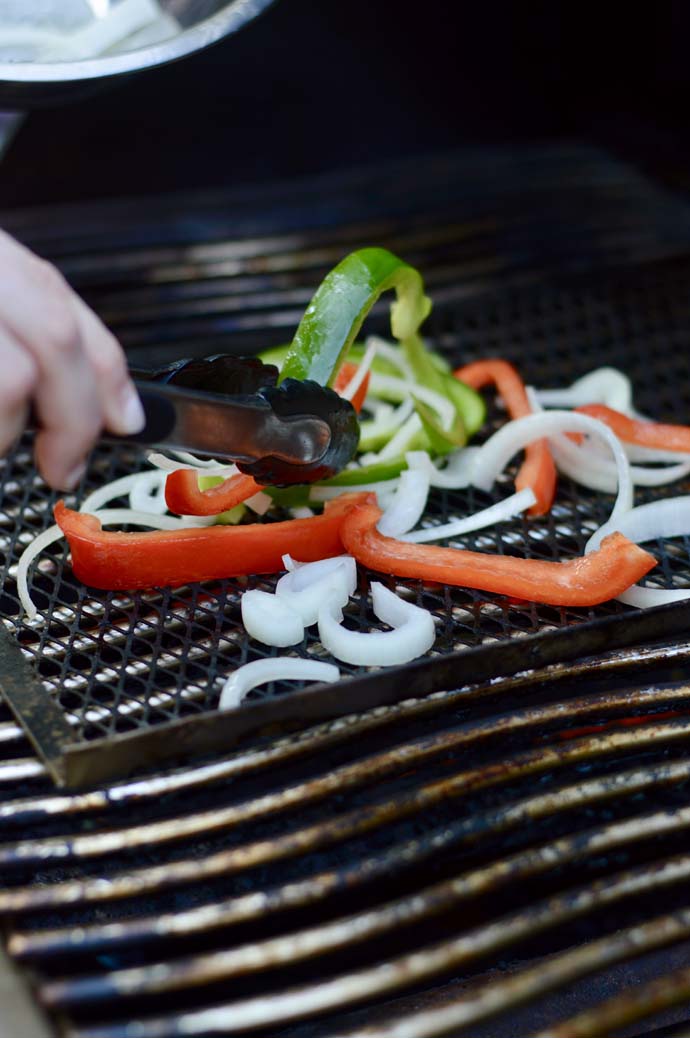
<point>336,312</point>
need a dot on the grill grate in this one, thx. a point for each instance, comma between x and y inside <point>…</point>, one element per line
<point>119,663</point>
<point>493,859</point>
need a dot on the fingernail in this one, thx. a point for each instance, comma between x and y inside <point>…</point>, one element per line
<point>73,477</point>
<point>132,418</point>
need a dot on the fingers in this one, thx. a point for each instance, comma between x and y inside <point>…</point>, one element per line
<point>71,366</point>
<point>120,402</point>
<point>16,388</point>
<point>70,416</point>
<point>36,309</point>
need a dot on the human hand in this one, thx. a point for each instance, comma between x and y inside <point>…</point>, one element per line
<point>56,354</point>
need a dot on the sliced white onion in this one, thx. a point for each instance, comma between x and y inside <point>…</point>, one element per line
<point>39,544</point>
<point>247,677</point>
<point>202,463</point>
<point>602,386</point>
<point>147,481</point>
<point>513,436</point>
<point>456,473</point>
<point>667,518</point>
<point>409,502</point>
<point>361,373</point>
<point>318,494</point>
<point>392,388</point>
<point>307,587</point>
<point>304,574</point>
<point>386,421</point>
<point>384,496</point>
<point>582,467</point>
<point>635,452</point>
<point>270,619</point>
<point>653,454</point>
<point>498,513</point>
<point>149,495</point>
<point>301,512</point>
<point>380,410</point>
<point>393,354</point>
<point>259,502</point>
<point>209,468</point>
<point>588,467</point>
<point>401,442</point>
<point>413,632</point>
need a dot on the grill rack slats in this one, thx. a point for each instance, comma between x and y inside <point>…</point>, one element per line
<point>521,865</point>
<point>161,977</point>
<point>346,777</point>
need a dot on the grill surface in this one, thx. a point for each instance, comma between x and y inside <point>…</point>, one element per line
<point>118,664</point>
<point>504,858</point>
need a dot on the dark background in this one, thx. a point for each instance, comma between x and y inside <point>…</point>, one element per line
<point>312,86</point>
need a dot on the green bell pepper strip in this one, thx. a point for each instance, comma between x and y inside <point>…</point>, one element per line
<point>336,312</point>
<point>377,472</point>
<point>439,440</point>
<point>381,365</point>
<point>385,367</point>
<point>470,409</point>
<point>468,402</point>
<point>294,496</point>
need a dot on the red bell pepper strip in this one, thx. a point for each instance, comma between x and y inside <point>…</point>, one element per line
<point>183,496</point>
<point>585,581</point>
<point>538,470</point>
<point>644,434</point>
<point>120,561</point>
<point>347,372</point>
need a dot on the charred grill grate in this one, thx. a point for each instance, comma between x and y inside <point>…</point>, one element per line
<point>500,858</point>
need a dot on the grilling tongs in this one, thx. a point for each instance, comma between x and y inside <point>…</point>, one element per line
<point>232,408</point>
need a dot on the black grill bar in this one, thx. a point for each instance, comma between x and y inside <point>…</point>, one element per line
<point>238,1017</point>
<point>521,866</point>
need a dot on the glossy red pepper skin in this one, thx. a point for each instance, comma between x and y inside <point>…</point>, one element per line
<point>347,372</point>
<point>183,496</point>
<point>584,581</point>
<point>538,470</point>
<point>656,435</point>
<point>119,561</point>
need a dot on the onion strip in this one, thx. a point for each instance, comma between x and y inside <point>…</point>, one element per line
<point>602,386</point>
<point>361,373</point>
<point>457,472</point>
<point>512,437</point>
<point>669,517</point>
<point>392,388</point>
<point>259,672</point>
<point>307,587</point>
<point>38,545</point>
<point>409,501</point>
<point>412,635</point>
<point>498,513</point>
<point>270,619</point>
<point>147,481</point>
<point>209,468</point>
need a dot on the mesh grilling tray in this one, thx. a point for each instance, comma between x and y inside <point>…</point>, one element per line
<point>109,682</point>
